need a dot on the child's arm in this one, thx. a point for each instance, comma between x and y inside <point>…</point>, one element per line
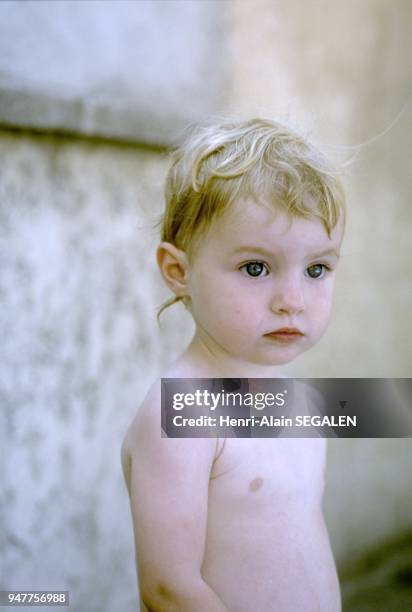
<point>168,483</point>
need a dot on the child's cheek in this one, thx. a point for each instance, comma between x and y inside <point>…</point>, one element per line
<point>322,310</point>
<point>229,316</point>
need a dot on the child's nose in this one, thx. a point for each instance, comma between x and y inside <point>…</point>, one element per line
<point>288,297</point>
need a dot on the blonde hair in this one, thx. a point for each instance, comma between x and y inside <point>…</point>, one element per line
<point>259,158</point>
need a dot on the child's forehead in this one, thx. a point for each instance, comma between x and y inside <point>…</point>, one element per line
<point>266,225</point>
<point>251,212</point>
<point>263,219</point>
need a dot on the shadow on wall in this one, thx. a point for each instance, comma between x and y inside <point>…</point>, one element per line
<point>381,580</point>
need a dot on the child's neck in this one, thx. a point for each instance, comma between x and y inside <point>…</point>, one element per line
<point>208,360</point>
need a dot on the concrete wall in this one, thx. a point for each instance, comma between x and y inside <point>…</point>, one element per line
<point>80,346</point>
<point>135,71</point>
<point>79,288</point>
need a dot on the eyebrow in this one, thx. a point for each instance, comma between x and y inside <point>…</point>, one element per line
<point>262,251</point>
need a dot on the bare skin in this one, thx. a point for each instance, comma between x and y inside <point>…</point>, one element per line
<point>236,525</point>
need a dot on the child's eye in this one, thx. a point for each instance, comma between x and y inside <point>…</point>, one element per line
<point>317,270</point>
<point>255,269</point>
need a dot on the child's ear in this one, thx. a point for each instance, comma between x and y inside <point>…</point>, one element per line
<point>173,265</point>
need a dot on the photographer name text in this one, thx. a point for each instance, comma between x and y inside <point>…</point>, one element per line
<point>265,421</point>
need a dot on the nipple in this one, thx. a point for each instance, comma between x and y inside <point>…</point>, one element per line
<point>256,484</point>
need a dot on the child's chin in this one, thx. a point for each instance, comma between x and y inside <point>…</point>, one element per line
<point>282,358</point>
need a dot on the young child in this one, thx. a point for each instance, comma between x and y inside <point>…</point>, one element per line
<point>250,243</point>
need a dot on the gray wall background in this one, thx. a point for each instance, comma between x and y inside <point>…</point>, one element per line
<point>91,96</point>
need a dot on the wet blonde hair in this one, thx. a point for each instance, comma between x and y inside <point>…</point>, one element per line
<point>259,158</point>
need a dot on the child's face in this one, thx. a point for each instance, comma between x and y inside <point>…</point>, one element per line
<point>258,271</point>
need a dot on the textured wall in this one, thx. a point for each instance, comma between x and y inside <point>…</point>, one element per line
<point>80,346</point>
<point>132,70</point>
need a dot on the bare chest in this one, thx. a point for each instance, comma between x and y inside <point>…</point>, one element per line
<point>267,546</point>
<point>268,473</point>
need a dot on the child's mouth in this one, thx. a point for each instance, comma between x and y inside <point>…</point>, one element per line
<point>285,334</point>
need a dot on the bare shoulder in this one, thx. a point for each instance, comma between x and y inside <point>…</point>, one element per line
<point>147,416</point>
<point>143,444</point>
<point>144,424</point>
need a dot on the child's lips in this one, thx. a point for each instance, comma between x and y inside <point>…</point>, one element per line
<point>285,334</point>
